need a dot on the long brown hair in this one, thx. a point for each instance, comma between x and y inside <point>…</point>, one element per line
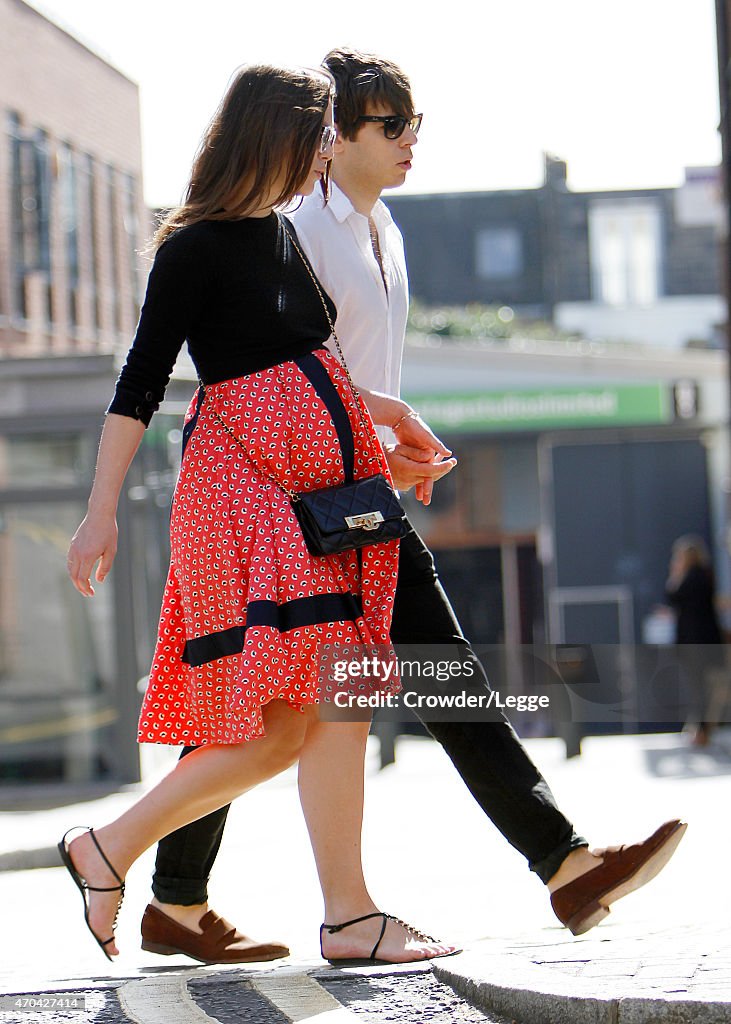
<point>268,124</point>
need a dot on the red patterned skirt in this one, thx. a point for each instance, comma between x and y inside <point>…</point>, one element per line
<point>246,606</point>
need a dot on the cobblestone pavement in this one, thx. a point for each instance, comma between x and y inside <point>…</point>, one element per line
<point>279,997</point>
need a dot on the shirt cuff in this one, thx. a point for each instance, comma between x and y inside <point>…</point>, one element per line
<point>136,406</point>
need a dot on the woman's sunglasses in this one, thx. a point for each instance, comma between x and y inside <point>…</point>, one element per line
<point>394,125</point>
<point>327,137</point>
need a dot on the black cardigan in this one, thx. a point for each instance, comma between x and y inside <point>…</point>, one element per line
<point>240,295</point>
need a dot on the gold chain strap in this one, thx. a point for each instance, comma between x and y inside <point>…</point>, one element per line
<point>356,396</point>
<point>292,495</point>
<point>337,571</point>
<point>330,323</point>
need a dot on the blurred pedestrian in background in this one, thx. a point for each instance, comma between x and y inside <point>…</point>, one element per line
<point>691,592</point>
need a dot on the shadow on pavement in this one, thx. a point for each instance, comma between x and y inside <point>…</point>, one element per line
<point>688,762</point>
<point>34,797</point>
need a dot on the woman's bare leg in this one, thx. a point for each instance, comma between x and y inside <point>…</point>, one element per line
<point>201,782</point>
<point>331,779</point>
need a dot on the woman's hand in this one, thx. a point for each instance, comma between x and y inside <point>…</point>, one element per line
<point>417,443</point>
<point>411,430</point>
<point>95,540</point>
<point>416,437</point>
<point>416,467</point>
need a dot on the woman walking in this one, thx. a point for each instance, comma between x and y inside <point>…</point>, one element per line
<point>246,606</point>
<point>691,592</point>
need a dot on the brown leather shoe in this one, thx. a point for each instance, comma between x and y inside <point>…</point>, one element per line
<point>584,902</point>
<point>220,942</point>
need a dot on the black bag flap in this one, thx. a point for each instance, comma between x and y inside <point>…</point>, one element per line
<point>330,505</point>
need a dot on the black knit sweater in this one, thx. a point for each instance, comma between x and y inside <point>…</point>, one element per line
<point>237,292</point>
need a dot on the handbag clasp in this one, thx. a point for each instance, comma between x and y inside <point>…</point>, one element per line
<point>365,521</point>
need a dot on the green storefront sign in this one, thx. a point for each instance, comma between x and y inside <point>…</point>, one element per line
<point>609,406</point>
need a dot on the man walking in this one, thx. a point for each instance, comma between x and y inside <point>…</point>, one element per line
<point>357,253</point>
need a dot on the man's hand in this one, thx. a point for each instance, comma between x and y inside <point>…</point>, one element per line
<point>417,467</point>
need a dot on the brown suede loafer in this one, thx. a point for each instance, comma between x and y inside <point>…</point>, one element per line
<point>219,943</point>
<point>581,904</point>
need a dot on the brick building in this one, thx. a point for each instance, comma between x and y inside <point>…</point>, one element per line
<point>72,216</point>
<point>72,222</point>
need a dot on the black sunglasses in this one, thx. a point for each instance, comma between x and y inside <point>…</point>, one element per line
<point>394,125</point>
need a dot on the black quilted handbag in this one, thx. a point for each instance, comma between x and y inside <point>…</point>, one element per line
<point>350,515</point>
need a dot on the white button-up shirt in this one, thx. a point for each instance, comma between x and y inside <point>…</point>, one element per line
<point>371,321</point>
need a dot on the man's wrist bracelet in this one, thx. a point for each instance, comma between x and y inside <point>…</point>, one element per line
<point>412,414</point>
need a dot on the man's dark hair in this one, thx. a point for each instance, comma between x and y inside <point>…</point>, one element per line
<point>362,81</point>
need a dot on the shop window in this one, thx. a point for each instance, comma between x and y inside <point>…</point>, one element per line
<point>47,460</point>
<point>57,661</point>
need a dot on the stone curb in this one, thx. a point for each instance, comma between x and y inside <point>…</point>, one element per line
<point>537,995</point>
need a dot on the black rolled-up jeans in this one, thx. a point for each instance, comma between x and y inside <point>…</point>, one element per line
<point>488,755</point>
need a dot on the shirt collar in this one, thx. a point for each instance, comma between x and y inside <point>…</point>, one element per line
<point>342,208</point>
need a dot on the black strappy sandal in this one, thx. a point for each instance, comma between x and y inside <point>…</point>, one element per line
<point>372,959</point>
<point>84,887</point>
